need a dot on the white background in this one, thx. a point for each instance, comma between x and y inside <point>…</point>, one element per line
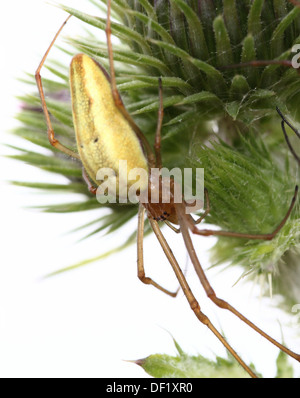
<point>86,323</point>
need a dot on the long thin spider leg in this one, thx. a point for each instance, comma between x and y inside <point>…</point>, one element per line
<point>210,232</point>
<point>53,141</point>
<point>140,257</point>
<point>116,95</point>
<point>191,298</point>
<point>157,144</point>
<point>261,63</point>
<point>207,207</point>
<point>295,2</point>
<point>87,180</point>
<point>206,212</point>
<point>177,230</point>
<point>209,290</point>
<point>289,143</point>
<point>285,121</point>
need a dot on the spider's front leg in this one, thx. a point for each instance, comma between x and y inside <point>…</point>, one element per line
<point>191,298</point>
<point>140,255</point>
<point>286,122</point>
<point>51,136</point>
<point>206,209</point>
<point>194,222</point>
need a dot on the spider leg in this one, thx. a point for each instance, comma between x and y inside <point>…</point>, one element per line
<point>157,144</point>
<point>191,298</point>
<point>184,226</point>
<point>201,218</point>
<point>295,2</point>
<point>87,180</point>
<point>140,256</point>
<point>283,122</point>
<point>177,230</point>
<point>270,236</point>
<point>207,207</point>
<point>51,136</point>
<point>206,212</point>
<point>261,63</point>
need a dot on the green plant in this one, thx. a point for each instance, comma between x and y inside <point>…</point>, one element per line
<point>222,119</point>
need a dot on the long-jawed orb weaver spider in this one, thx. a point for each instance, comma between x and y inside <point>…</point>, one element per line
<point>101,123</point>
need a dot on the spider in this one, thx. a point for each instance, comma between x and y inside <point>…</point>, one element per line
<point>91,88</point>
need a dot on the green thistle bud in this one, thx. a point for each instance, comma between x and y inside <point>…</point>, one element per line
<point>219,115</point>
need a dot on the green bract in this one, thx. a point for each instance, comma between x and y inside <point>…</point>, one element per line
<point>218,117</point>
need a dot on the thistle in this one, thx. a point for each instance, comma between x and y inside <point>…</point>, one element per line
<point>219,115</point>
